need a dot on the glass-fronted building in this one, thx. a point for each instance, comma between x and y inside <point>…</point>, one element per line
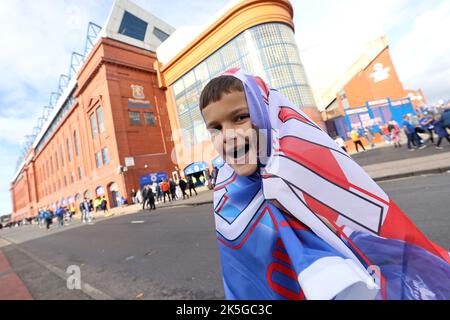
<point>254,35</point>
<point>267,50</point>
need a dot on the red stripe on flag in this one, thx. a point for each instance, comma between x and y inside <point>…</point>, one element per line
<point>286,114</point>
<point>317,158</point>
<point>282,291</point>
<point>398,226</point>
<point>225,198</point>
<point>282,257</point>
<point>280,244</point>
<point>263,86</point>
<point>320,208</point>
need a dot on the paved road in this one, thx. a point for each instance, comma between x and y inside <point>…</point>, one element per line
<point>171,253</point>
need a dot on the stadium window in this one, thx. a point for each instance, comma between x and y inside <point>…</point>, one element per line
<point>98,159</point>
<point>133,27</point>
<point>161,35</point>
<point>105,155</point>
<point>101,125</point>
<point>135,118</point>
<point>80,173</point>
<point>149,118</point>
<point>93,125</point>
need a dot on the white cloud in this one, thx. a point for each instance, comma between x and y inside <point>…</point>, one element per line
<point>332,34</point>
<point>422,56</point>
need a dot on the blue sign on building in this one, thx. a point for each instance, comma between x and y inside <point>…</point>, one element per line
<point>373,113</point>
<point>195,167</point>
<point>152,177</point>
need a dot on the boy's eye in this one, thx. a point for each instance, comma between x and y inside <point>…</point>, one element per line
<point>242,117</point>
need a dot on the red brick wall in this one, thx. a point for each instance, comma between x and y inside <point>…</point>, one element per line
<point>362,87</point>
<point>105,81</point>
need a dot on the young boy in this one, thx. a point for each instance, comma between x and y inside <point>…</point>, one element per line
<point>296,218</point>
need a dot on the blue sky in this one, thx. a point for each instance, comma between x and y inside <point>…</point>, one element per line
<point>38,37</point>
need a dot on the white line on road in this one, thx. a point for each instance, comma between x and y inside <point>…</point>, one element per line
<point>140,221</point>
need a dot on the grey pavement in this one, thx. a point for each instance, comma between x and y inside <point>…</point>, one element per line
<point>385,162</point>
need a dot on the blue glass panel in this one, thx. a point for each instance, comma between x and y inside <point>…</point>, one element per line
<point>132,26</point>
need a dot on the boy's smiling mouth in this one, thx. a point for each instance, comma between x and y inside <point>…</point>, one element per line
<point>238,152</point>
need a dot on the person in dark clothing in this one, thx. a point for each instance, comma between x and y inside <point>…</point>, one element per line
<point>47,215</point>
<point>145,192</point>
<point>158,192</point>
<point>183,185</point>
<point>104,205</point>
<point>172,188</point>
<point>439,128</point>
<point>191,186</point>
<point>60,213</point>
<point>151,198</point>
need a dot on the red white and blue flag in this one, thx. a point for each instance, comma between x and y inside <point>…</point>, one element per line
<point>273,241</point>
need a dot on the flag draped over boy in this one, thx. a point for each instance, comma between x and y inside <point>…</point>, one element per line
<point>311,224</point>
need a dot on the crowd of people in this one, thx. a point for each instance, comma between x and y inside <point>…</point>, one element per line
<point>421,129</point>
<point>63,214</point>
<point>149,196</point>
<point>152,194</point>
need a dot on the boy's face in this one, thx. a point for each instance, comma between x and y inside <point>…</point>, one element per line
<point>233,135</point>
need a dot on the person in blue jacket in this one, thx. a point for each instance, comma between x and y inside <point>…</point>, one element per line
<point>440,130</point>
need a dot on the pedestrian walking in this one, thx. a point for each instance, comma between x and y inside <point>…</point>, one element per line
<point>411,134</point>
<point>158,192</point>
<point>48,218</point>
<point>441,131</point>
<point>172,187</point>
<point>426,126</point>
<point>104,205</point>
<point>191,185</point>
<point>72,212</point>
<point>165,188</point>
<point>150,198</point>
<point>394,131</point>
<point>85,209</point>
<point>356,140</point>
<point>60,213</point>
<point>183,185</point>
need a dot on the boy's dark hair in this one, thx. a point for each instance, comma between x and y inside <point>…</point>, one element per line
<point>217,87</point>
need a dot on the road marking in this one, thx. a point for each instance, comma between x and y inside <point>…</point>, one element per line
<point>86,288</point>
<point>140,221</point>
